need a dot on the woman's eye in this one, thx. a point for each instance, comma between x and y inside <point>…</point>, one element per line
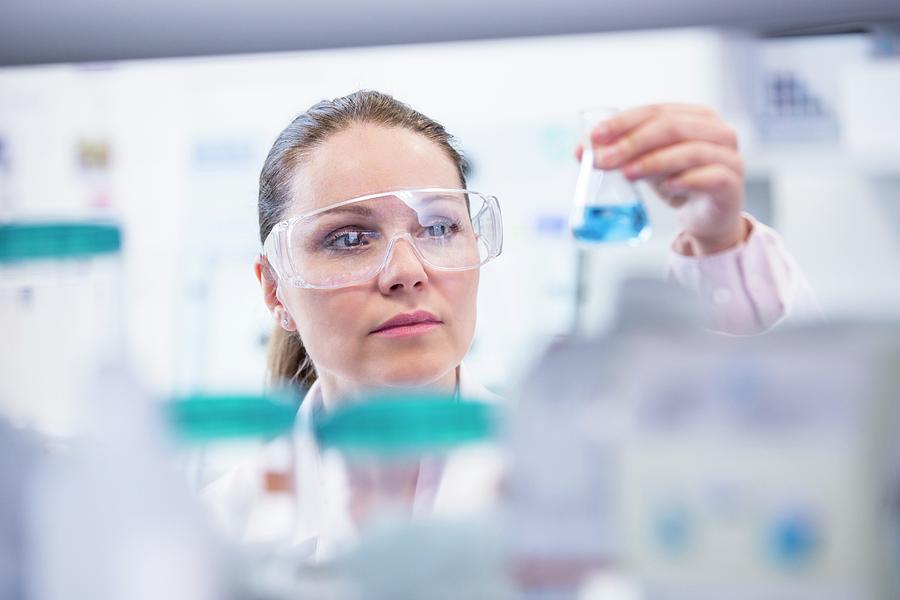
<point>440,230</point>
<point>348,239</point>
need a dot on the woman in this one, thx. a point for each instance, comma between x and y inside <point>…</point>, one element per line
<point>372,254</point>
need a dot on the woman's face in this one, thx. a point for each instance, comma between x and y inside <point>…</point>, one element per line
<point>338,326</point>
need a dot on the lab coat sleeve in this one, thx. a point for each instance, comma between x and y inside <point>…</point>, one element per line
<point>749,288</point>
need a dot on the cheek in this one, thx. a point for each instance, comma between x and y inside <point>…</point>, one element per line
<point>461,292</point>
<point>321,318</point>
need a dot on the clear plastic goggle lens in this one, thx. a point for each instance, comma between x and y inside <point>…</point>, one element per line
<point>350,242</point>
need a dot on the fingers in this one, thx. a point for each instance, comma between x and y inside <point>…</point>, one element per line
<point>680,157</point>
<point>659,133</point>
<point>709,181</point>
<point>606,132</point>
<point>627,120</point>
<point>714,179</point>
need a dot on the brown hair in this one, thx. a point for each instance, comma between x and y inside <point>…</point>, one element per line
<point>287,356</point>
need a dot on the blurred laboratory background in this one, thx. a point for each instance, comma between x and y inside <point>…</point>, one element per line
<point>131,141</point>
<point>158,116</point>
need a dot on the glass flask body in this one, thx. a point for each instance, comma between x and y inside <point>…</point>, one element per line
<point>608,207</point>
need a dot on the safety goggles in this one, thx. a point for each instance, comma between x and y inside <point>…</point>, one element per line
<point>351,241</point>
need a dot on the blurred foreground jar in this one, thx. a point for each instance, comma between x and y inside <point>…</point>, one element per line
<point>60,314</point>
<point>412,486</point>
<point>103,514</point>
<point>216,431</point>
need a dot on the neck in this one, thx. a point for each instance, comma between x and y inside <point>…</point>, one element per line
<point>336,390</point>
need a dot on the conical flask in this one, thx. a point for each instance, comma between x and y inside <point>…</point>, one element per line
<point>607,207</point>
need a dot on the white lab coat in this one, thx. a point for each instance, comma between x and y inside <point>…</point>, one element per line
<point>322,525</point>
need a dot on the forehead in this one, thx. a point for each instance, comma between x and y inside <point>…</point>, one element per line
<point>366,159</point>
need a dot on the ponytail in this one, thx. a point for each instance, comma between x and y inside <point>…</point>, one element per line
<point>288,360</point>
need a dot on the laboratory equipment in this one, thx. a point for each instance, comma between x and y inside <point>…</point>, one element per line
<point>60,287</point>
<point>350,241</point>
<point>392,458</point>
<point>6,170</point>
<point>607,207</point>
<point>109,516</point>
<point>253,433</point>
<point>764,464</point>
<point>705,466</point>
<point>104,515</point>
<point>562,508</point>
<point>20,452</point>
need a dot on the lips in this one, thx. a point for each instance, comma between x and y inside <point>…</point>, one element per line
<point>420,317</point>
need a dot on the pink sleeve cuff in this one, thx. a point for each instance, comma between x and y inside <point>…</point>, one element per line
<point>745,289</point>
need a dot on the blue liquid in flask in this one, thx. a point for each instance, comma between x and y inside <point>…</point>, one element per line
<point>613,223</point>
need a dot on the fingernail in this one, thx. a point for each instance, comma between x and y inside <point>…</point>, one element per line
<point>632,171</point>
<point>608,155</point>
<point>601,131</point>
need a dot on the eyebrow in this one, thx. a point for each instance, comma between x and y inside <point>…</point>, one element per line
<point>439,196</point>
<point>355,209</point>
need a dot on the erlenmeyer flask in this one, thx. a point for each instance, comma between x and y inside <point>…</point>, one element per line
<point>607,207</point>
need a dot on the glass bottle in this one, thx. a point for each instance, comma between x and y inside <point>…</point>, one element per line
<point>60,313</point>
<point>103,515</point>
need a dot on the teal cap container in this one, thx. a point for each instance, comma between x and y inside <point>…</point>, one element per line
<point>403,424</point>
<point>27,241</point>
<point>212,417</point>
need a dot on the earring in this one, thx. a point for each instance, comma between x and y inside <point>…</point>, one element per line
<point>284,322</point>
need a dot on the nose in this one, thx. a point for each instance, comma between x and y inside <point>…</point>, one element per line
<point>403,270</point>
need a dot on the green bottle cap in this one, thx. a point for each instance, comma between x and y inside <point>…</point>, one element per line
<point>204,418</point>
<point>21,241</point>
<point>405,424</point>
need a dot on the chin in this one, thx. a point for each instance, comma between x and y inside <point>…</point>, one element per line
<point>414,373</point>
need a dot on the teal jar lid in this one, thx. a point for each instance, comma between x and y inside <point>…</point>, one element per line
<point>405,424</point>
<point>26,241</point>
<point>211,417</point>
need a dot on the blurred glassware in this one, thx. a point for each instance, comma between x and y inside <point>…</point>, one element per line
<point>105,515</point>
<point>109,517</point>
<point>394,458</point>
<point>259,430</point>
<point>60,313</point>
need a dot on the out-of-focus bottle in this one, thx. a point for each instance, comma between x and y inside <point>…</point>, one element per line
<point>111,518</point>
<point>105,515</point>
<point>58,283</point>
<point>60,313</point>
<point>248,436</point>
<point>412,485</point>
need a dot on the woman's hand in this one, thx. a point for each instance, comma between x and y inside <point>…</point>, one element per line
<point>690,156</point>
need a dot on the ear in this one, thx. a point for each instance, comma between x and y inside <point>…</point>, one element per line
<point>269,284</point>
